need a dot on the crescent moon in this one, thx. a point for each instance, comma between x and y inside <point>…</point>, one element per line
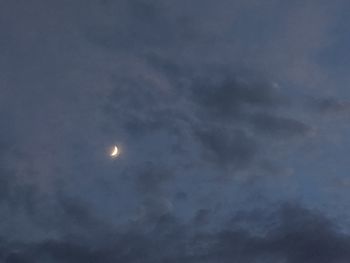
<point>114,152</point>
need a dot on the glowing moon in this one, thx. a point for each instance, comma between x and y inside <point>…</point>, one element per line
<point>114,152</point>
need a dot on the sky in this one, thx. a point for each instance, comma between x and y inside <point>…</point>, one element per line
<point>231,117</point>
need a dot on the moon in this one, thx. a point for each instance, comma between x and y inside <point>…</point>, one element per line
<point>114,152</point>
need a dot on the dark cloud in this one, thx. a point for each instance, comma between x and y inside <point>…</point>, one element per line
<point>140,25</point>
<point>202,217</point>
<point>331,105</point>
<point>304,236</point>
<point>150,184</point>
<point>76,213</point>
<point>230,96</point>
<point>298,235</point>
<point>190,91</point>
<point>279,126</point>
<point>151,178</point>
<point>14,191</point>
<point>219,110</point>
<point>227,148</point>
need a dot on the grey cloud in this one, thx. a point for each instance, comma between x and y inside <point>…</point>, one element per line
<point>168,80</point>
<point>299,235</point>
<point>151,178</point>
<point>15,192</point>
<point>208,109</point>
<point>202,217</point>
<point>229,96</point>
<point>236,112</point>
<point>279,126</point>
<point>76,213</point>
<point>305,236</point>
<point>150,184</point>
<point>196,95</point>
<point>331,105</point>
<point>227,148</point>
<point>139,25</point>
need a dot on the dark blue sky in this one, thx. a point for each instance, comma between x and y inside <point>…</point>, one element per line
<point>232,117</point>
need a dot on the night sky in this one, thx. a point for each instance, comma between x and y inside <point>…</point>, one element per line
<point>232,118</point>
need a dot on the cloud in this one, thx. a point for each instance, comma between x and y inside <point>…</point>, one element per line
<point>150,182</point>
<point>331,105</point>
<point>279,126</point>
<point>227,148</point>
<point>298,235</point>
<point>188,92</point>
<point>229,96</point>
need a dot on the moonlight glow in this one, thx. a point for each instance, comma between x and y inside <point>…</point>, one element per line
<point>115,152</point>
